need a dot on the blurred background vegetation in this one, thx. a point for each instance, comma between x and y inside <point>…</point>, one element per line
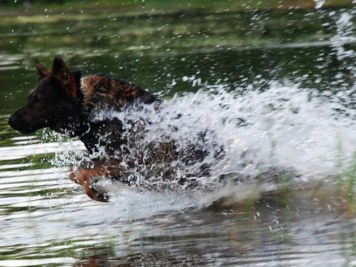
<point>37,5</point>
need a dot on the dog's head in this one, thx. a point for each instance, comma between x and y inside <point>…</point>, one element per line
<point>55,102</point>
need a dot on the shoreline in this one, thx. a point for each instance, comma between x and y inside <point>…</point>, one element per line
<point>166,9</point>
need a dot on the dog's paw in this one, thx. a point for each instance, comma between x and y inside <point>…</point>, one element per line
<point>89,184</point>
<point>97,194</point>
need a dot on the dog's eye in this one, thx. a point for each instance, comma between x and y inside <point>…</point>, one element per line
<point>35,99</point>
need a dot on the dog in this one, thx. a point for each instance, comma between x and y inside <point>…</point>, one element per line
<point>68,103</point>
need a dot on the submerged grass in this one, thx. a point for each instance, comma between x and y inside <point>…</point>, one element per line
<point>284,200</point>
<point>351,176</point>
<point>346,178</point>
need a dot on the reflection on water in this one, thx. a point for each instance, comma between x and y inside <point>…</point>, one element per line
<point>303,62</point>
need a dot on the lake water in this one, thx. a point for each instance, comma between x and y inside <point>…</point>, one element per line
<point>275,86</point>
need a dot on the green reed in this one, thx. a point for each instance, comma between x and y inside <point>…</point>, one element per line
<point>346,177</point>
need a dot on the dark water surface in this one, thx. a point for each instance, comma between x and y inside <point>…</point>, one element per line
<point>288,78</point>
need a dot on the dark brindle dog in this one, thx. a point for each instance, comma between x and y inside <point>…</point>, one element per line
<point>65,102</point>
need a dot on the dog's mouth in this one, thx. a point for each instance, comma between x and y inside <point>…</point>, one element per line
<point>23,127</point>
<point>24,130</point>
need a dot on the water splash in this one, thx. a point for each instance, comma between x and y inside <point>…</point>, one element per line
<point>345,35</point>
<point>285,130</point>
<point>319,3</point>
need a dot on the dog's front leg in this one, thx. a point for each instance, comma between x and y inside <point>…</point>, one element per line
<point>88,177</point>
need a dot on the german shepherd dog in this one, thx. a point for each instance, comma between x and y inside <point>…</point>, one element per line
<point>65,101</point>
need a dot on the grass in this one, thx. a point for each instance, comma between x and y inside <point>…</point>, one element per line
<point>346,179</point>
<point>351,176</point>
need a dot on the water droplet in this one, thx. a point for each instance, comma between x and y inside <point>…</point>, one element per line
<point>319,3</point>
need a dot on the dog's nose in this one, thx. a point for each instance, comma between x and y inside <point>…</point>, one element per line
<point>10,119</point>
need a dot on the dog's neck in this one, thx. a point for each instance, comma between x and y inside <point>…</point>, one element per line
<point>105,94</point>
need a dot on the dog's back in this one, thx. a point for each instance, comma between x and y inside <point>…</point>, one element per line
<point>102,95</point>
<point>103,92</point>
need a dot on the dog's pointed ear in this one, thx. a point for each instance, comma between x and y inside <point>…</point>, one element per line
<point>60,71</point>
<point>42,70</point>
<point>73,88</point>
<point>69,80</point>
